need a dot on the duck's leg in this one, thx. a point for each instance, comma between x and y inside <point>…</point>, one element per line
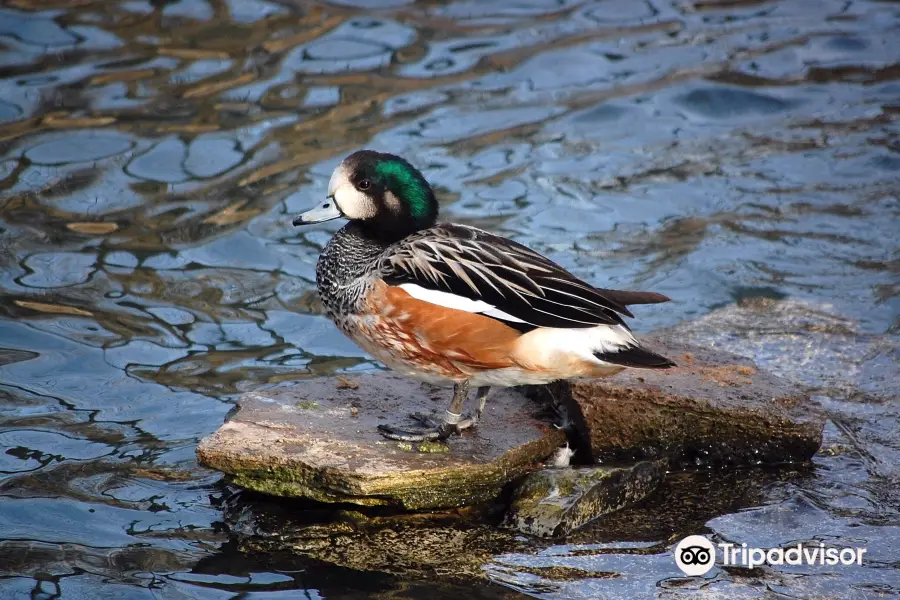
<point>452,422</point>
<point>472,420</point>
<point>463,421</point>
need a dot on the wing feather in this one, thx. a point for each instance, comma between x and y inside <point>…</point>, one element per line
<point>518,281</point>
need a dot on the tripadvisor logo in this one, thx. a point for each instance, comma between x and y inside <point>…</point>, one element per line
<point>696,555</point>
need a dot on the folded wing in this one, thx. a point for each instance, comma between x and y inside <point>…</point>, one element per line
<point>474,270</point>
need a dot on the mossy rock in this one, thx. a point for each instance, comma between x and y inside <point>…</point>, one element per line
<point>318,439</point>
<point>555,502</point>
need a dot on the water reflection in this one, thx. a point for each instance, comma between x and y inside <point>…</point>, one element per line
<point>152,154</point>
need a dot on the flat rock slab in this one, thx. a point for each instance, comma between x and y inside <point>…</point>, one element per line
<point>555,502</point>
<point>318,439</point>
<point>713,409</point>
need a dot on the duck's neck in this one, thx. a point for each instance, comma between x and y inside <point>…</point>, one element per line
<point>343,265</point>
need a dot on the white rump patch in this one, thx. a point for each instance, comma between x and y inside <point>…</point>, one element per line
<point>448,300</point>
<point>546,345</point>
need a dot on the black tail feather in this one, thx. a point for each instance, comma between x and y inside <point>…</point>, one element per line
<point>627,298</point>
<point>636,357</point>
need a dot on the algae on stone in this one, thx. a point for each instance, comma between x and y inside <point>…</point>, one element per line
<point>332,453</point>
<point>554,502</point>
<point>439,547</point>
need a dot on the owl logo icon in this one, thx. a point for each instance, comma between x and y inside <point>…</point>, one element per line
<point>695,555</point>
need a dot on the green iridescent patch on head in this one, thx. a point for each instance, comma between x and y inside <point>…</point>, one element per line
<point>409,185</point>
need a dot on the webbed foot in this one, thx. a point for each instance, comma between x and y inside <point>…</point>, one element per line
<point>432,428</point>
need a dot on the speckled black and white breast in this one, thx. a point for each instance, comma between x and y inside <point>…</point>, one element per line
<point>344,274</point>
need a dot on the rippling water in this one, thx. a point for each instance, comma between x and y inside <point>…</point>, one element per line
<point>153,153</point>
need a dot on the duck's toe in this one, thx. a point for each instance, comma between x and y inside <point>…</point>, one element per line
<point>406,434</point>
<point>432,428</point>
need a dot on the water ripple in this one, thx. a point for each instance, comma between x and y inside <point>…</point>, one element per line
<point>153,154</point>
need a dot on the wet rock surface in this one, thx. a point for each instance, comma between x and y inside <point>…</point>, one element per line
<point>466,546</point>
<point>450,545</point>
<point>319,440</point>
<point>554,502</point>
<point>714,409</point>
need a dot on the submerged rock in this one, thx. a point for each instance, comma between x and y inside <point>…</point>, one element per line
<point>452,545</point>
<point>713,409</point>
<point>805,343</point>
<point>319,440</point>
<point>554,502</point>
<point>464,546</point>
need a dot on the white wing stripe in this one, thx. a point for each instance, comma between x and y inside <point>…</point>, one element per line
<point>449,300</point>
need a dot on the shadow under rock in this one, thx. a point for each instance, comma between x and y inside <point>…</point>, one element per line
<point>341,548</point>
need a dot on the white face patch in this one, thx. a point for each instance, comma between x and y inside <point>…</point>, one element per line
<point>352,202</point>
<point>392,202</point>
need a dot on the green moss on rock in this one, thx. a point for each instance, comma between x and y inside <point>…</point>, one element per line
<point>275,445</point>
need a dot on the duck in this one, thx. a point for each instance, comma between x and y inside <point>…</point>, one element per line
<point>449,303</point>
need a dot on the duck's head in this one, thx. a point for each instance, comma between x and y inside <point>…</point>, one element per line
<point>385,194</point>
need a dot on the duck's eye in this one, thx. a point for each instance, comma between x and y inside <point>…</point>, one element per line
<point>364,184</point>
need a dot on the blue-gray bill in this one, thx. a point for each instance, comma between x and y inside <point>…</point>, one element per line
<point>325,212</point>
